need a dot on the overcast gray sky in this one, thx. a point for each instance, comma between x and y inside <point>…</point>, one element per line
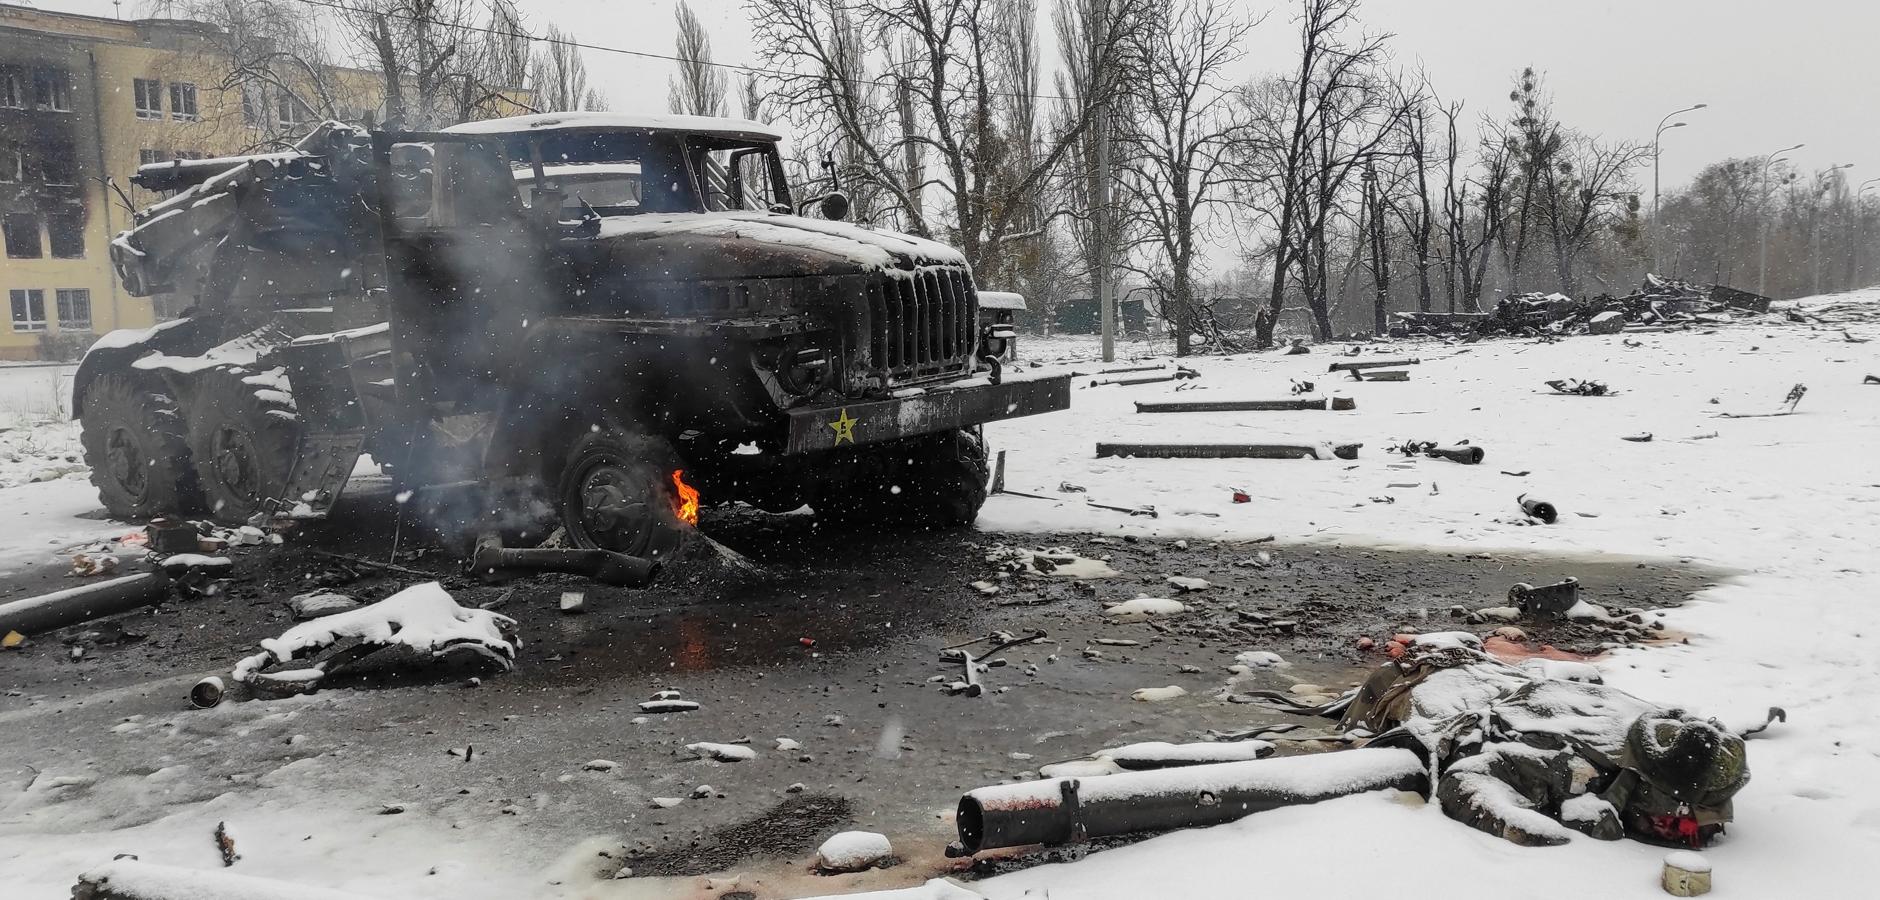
<point>1774,73</point>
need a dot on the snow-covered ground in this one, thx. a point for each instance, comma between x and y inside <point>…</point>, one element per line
<point>1791,504</point>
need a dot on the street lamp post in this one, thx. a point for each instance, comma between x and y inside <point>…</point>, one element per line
<point>1854,261</point>
<point>1762,264</point>
<point>1662,126</point>
<point>1814,238</point>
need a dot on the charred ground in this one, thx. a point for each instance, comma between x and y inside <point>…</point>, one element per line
<point>833,644</point>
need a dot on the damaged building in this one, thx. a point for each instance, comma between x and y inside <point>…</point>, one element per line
<point>84,101</point>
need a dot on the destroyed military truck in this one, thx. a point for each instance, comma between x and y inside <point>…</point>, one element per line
<point>585,318</point>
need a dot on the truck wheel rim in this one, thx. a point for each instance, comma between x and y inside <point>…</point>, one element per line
<point>235,463</point>
<point>616,507</point>
<point>125,460</point>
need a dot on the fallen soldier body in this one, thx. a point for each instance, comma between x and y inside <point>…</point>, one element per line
<point>1537,751</point>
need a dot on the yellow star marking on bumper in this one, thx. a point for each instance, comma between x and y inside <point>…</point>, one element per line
<point>845,428</point>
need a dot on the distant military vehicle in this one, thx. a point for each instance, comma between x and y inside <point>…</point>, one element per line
<point>588,315</point>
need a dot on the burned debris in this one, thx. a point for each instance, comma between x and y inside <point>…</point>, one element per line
<point>1658,303</point>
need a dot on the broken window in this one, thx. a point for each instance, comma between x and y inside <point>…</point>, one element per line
<point>147,93</point>
<point>183,101</point>
<point>12,93</point>
<point>52,89</point>
<point>29,309</point>
<point>58,163</point>
<point>65,233</point>
<point>22,235</point>
<point>74,309</point>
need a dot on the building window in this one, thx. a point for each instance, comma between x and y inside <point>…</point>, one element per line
<point>22,235</point>
<point>12,163</point>
<point>182,101</point>
<point>12,93</point>
<point>254,105</point>
<point>29,309</point>
<point>290,112</point>
<point>152,157</point>
<point>58,163</point>
<point>52,89</point>
<point>74,309</point>
<point>147,93</point>
<point>65,233</point>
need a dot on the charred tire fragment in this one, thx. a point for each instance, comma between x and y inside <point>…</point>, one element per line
<point>934,481</point>
<point>243,443</point>
<point>616,493</point>
<point>134,443</point>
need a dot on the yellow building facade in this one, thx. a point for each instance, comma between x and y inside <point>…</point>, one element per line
<point>83,102</point>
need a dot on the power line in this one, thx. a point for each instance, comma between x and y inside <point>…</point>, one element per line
<point>643,54</point>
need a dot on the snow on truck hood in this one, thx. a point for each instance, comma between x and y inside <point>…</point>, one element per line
<point>870,248</point>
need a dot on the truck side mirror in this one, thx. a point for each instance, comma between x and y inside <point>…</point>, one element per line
<point>834,206</point>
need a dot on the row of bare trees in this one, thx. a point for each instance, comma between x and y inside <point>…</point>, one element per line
<point>413,63</point>
<point>1321,177</point>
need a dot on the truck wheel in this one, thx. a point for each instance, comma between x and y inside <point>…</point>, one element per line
<point>244,439</point>
<point>616,493</point>
<point>134,444</point>
<point>935,481</point>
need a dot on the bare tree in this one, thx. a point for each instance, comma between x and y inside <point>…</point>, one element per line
<point>699,87</point>
<point>1173,150</point>
<point>944,58</point>
<point>558,76</point>
<point>442,61</point>
<point>1471,222</point>
<point>1314,129</point>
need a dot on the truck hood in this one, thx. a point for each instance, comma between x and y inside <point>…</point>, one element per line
<point>685,246</point>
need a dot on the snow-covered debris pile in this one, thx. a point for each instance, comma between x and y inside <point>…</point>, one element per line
<point>1143,608</point>
<point>128,879</point>
<point>853,851</point>
<point>422,621</point>
<point>722,752</point>
<point>1659,301</point>
<point>1059,562</point>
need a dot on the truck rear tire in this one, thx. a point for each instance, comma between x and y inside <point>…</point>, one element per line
<point>244,439</point>
<point>933,481</point>
<point>134,443</point>
<point>616,493</point>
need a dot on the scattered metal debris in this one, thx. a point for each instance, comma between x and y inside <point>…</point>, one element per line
<point>1539,509</point>
<point>1229,451</point>
<point>1580,388</point>
<point>1298,404</point>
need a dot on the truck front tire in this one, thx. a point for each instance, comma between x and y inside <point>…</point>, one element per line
<point>933,481</point>
<point>616,493</point>
<point>134,443</point>
<point>243,439</point>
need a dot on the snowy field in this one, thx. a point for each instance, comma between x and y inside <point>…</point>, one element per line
<point>1790,503</point>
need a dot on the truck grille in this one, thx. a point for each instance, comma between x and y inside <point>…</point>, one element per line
<point>922,325</point>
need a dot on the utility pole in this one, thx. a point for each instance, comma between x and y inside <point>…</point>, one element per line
<point>1100,218</point>
<point>1762,254</point>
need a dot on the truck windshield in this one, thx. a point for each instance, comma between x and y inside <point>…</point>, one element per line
<point>616,172</point>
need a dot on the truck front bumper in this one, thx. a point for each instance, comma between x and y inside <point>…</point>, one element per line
<point>935,409</point>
